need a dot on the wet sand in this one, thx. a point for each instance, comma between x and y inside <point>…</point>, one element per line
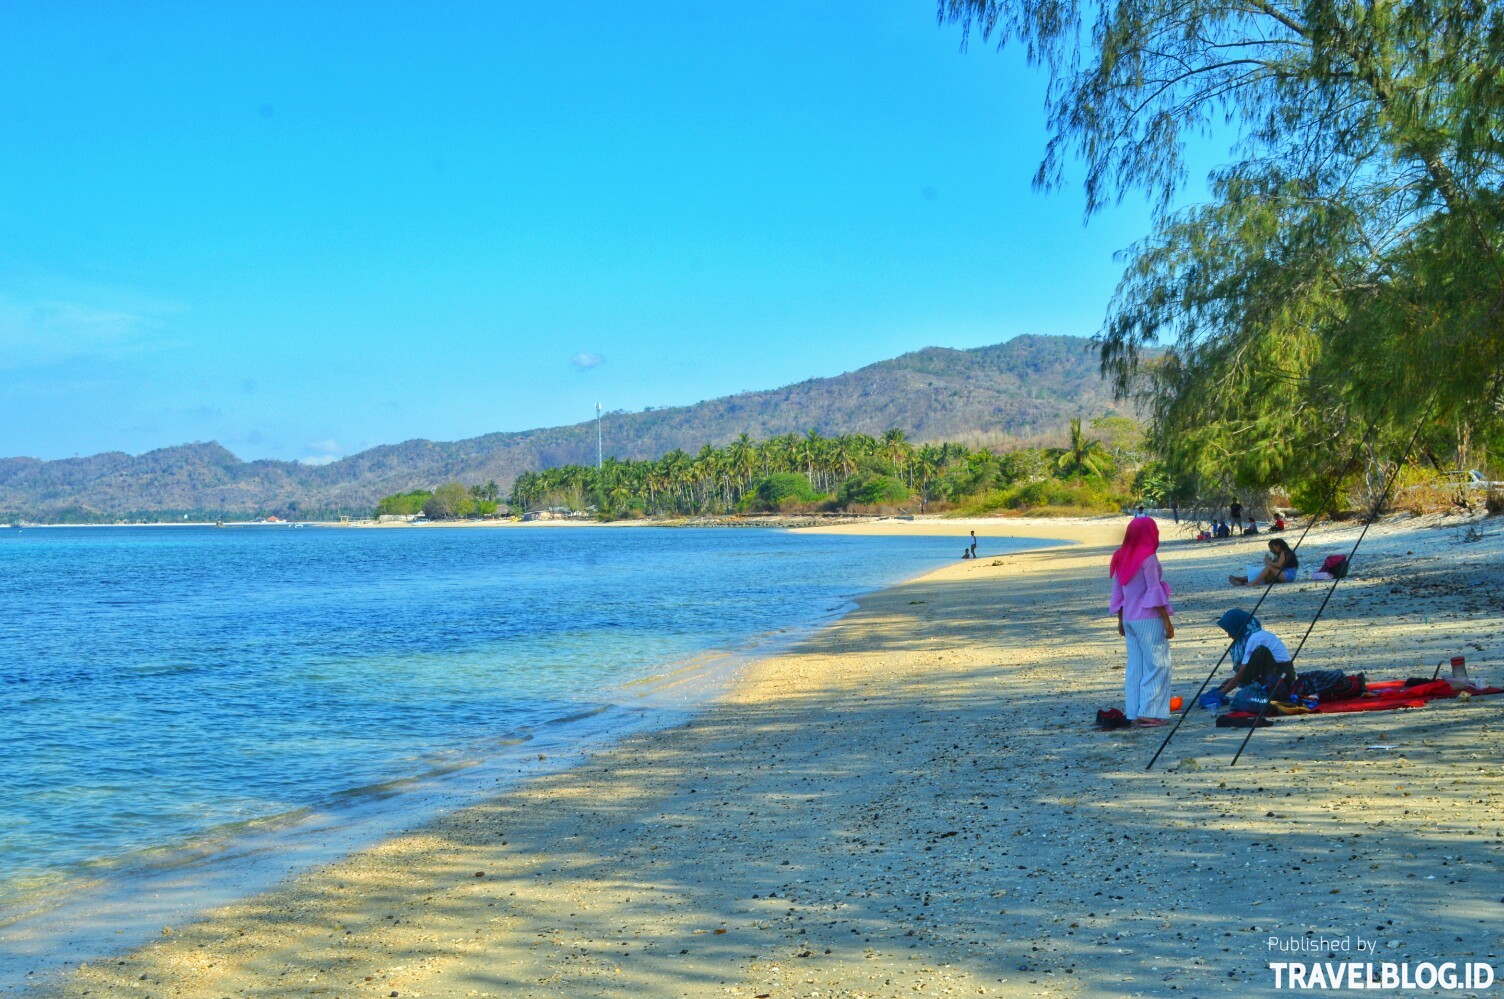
<point>913,802</point>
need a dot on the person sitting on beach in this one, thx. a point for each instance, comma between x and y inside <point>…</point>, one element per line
<point>1279,567</point>
<point>1279,523</point>
<point>1220,529</point>
<point>1141,601</point>
<point>1258,656</point>
<point>966,553</point>
<point>1252,528</point>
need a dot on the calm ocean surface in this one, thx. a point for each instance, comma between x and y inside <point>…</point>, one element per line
<point>162,685</point>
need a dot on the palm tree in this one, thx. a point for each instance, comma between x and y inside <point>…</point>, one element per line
<point>1082,456</point>
<point>897,449</point>
<point>741,461</point>
<point>843,455</point>
<point>527,488</point>
<point>707,471</point>
<point>811,451</point>
<point>927,462</point>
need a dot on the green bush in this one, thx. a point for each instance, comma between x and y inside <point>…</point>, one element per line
<point>1082,496</point>
<point>448,502</point>
<point>871,490</point>
<point>403,504</point>
<point>780,490</point>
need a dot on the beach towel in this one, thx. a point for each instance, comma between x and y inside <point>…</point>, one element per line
<point>1391,695</point>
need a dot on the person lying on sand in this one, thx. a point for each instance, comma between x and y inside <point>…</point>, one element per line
<point>1279,566</point>
<point>1141,601</point>
<point>1258,656</point>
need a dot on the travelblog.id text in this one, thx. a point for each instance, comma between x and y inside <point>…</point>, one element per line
<point>1347,962</point>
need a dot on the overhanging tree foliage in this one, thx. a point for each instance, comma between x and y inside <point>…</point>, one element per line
<point>1347,279</point>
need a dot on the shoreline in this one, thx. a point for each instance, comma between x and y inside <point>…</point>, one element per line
<point>222,865</point>
<point>1024,526</point>
<point>911,800</point>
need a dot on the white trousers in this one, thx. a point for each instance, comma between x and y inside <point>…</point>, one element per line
<point>1146,688</point>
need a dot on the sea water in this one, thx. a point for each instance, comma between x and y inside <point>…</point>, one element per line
<point>166,687</point>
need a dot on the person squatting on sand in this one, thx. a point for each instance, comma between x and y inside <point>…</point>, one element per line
<point>1141,600</point>
<point>1258,656</point>
<point>1279,566</point>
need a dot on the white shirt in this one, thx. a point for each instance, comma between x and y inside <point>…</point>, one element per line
<point>1266,640</point>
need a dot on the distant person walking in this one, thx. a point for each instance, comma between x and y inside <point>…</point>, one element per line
<point>1141,601</point>
<point>1175,511</point>
<point>973,544</point>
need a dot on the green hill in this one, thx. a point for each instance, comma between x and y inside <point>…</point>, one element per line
<point>1024,389</point>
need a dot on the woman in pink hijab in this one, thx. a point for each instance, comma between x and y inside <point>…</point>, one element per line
<point>1141,600</point>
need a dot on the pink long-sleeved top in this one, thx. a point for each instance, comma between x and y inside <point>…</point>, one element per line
<point>1144,592</point>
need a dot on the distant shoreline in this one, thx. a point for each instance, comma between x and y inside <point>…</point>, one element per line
<point>918,524</point>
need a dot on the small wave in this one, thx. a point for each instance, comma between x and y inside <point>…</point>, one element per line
<point>580,715</point>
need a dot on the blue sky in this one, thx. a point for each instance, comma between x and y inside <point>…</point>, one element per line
<point>304,229</point>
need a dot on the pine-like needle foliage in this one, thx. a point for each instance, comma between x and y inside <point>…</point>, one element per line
<point>1346,282</point>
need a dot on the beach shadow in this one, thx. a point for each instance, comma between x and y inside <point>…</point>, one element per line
<point>915,802</point>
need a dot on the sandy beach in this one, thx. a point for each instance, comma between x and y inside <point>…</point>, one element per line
<point>914,802</point>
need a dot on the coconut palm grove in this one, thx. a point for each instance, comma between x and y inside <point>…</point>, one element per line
<point>1098,469</point>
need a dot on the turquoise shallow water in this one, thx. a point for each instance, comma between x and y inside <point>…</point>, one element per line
<point>161,686</point>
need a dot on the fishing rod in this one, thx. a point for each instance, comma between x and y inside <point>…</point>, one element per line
<point>1373,514</point>
<point>1190,704</point>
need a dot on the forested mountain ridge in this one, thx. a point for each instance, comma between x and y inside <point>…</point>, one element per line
<point>1025,389</point>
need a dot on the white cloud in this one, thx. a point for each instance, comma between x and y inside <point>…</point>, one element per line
<point>585,361</point>
<point>44,332</point>
<point>323,452</point>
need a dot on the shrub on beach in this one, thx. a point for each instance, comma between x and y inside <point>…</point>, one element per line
<point>1083,496</point>
<point>871,490</point>
<point>449,501</point>
<point>781,491</point>
<point>403,504</point>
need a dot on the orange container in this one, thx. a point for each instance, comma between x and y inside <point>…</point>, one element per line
<point>1176,703</point>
